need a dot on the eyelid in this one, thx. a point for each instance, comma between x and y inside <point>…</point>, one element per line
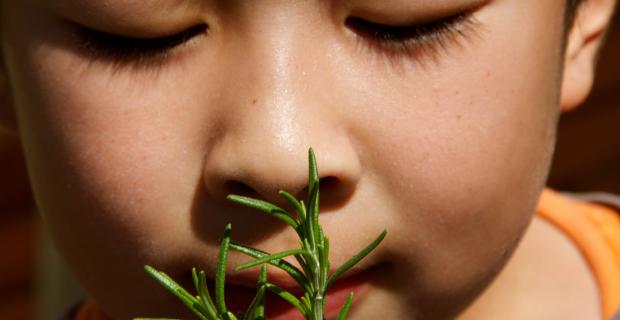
<point>411,13</point>
<point>122,48</point>
<point>404,31</point>
<point>414,40</point>
<point>146,42</point>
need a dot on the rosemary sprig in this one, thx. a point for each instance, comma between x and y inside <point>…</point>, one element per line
<point>202,305</point>
<point>313,258</point>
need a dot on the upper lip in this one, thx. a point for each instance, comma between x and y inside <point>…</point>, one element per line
<point>249,278</point>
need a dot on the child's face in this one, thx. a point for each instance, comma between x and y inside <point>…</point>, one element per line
<point>445,142</point>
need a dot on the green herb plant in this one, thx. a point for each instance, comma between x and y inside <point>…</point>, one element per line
<point>312,257</point>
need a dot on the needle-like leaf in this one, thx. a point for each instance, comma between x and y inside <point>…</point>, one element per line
<point>190,301</point>
<point>355,259</point>
<point>265,207</point>
<point>259,313</point>
<point>229,316</point>
<point>313,173</point>
<point>288,297</point>
<point>271,257</point>
<point>220,275</point>
<point>205,296</point>
<point>345,308</point>
<point>312,219</point>
<point>251,312</point>
<point>282,264</point>
<point>298,206</point>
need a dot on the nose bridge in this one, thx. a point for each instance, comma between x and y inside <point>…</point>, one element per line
<point>275,117</point>
<point>279,68</point>
<point>271,111</point>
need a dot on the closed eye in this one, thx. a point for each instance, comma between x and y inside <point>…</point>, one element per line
<point>121,49</point>
<point>412,38</point>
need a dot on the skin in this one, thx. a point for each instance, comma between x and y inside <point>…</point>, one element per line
<point>447,148</point>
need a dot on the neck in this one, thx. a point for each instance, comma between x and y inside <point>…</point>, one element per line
<point>546,278</point>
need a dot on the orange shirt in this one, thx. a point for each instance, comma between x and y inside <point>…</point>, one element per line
<point>595,230</point>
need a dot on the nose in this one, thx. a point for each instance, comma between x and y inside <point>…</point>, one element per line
<point>277,111</point>
<point>261,170</point>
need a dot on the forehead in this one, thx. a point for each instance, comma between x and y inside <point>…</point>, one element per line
<point>135,8</point>
<point>162,14</point>
<point>123,5</point>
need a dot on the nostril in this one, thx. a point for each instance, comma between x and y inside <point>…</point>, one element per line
<point>328,185</point>
<point>240,188</point>
<point>333,192</point>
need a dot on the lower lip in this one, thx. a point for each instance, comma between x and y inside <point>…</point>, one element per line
<point>278,309</point>
<point>237,298</point>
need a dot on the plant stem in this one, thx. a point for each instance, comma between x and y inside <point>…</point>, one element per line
<point>318,307</point>
<point>313,258</point>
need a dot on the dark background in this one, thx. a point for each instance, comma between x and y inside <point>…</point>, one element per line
<point>587,155</point>
<point>587,158</point>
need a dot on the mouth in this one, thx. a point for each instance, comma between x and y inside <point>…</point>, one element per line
<point>241,288</point>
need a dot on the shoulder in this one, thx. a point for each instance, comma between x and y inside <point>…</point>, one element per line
<point>592,222</point>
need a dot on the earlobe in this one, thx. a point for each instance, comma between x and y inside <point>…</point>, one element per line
<point>583,43</point>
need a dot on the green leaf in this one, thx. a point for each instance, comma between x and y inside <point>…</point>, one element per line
<point>282,264</point>
<point>195,279</point>
<point>262,276</point>
<point>265,207</point>
<point>305,299</point>
<point>313,188</point>
<point>190,301</point>
<point>271,257</point>
<point>298,206</point>
<point>321,235</point>
<point>345,308</point>
<point>304,223</point>
<point>313,173</point>
<point>324,261</point>
<point>220,276</point>
<point>303,264</point>
<point>259,313</point>
<point>205,297</point>
<point>303,209</point>
<point>288,297</point>
<point>256,301</point>
<point>355,259</point>
<point>229,316</point>
<point>312,218</point>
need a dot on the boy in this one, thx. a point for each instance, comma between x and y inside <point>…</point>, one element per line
<point>432,119</point>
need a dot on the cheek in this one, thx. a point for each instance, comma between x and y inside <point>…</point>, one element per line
<point>110,162</point>
<point>464,145</point>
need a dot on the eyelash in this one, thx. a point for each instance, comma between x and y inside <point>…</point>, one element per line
<point>405,40</point>
<point>413,40</point>
<point>143,51</point>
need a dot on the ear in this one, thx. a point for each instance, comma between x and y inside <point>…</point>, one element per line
<point>583,43</point>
